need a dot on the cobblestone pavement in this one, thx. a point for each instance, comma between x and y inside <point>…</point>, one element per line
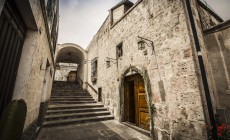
<point>106,130</point>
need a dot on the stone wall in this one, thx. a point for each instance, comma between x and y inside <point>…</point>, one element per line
<point>36,69</point>
<point>118,13</point>
<point>78,56</point>
<point>63,69</point>
<point>217,41</point>
<point>202,43</point>
<point>178,111</point>
<point>208,18</point>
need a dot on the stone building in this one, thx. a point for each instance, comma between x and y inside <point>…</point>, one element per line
<point>28,36</point>
<point>64,70</point>
<point>70,54</point>
<point>161,65</point>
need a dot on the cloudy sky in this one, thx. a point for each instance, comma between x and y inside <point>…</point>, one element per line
<point>80,19</point>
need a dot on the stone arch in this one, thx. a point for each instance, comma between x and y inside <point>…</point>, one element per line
<point>79,54</point>
<point>73,53</point>
<point>143,72</point>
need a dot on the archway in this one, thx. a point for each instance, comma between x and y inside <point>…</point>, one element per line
<point>69,61</point>
<point>130,73</point>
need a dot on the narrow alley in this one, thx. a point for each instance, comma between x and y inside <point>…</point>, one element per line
<point>74,114</point>
<point>105,130</point>
<point>114,70</point>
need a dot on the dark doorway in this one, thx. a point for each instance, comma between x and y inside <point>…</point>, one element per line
<point>130,102</point>
<point>136,107</point>
<point>12,35</point>
<point>99,94</point>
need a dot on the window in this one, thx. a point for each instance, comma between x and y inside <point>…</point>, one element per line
<point>94,70</point>
<point>51,18</point>
<point>51,9</point>
<point>119,50</point>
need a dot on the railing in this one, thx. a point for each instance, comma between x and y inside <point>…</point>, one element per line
<point>91,87</point>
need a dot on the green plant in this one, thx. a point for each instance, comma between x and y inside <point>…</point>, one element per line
<point>12,121</point>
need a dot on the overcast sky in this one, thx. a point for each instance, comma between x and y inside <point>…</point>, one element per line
<point>80,19</point>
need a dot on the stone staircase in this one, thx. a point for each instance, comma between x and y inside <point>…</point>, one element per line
<point>69,104</point>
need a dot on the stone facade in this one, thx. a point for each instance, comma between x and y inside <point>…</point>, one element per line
<point>217,41</point>
<point>36,68</point>
<point>72,53</point>
<point>169,67</point>
<point>63,70</point>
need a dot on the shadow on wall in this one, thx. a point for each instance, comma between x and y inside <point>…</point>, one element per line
<point>13,120</point>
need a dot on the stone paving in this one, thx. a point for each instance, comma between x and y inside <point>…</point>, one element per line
<point>106,130</point>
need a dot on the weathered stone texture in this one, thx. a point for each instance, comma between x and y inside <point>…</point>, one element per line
<point>218,54</point>
<point>215,51</point>
<point>179,111</point>
<point>118,13</point>
<point>32,68</point>
<point>77,56</point>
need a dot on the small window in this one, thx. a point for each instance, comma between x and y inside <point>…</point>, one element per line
<point>119,50</point>
<point>94,70</point>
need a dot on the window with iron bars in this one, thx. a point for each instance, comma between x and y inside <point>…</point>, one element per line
<point>94,70</point>
<point>51,9</point>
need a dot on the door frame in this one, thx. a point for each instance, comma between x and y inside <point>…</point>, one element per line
<point>135,78</point>
<point>133,70</point>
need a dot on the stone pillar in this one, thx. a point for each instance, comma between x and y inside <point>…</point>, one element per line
<point>85,73</point>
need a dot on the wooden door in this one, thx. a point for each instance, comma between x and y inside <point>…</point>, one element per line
<point>12,35</point>
<point>142,105</point>
<point>136,107</point>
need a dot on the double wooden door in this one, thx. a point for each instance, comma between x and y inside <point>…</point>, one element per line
<point>135,102</point>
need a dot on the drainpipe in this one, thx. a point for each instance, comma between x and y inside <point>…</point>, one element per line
<point>202,69</point>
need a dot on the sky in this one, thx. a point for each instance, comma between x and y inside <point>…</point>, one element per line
<point>81,19</point>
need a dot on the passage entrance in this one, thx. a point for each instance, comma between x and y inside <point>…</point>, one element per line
<point>136,107</point>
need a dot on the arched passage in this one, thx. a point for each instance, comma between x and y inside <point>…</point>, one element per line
<point>71,57</point>
<point>141,73</point>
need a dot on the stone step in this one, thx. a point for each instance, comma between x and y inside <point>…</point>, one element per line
<point>67,87</point>
<point>73,106</point>
<point>75,115</point>
<point>66,111</point>
<point>71,99</point>
<point>77,120</point>
<point>72,102</point>
<point>70,95</point>
<point>69,90</point>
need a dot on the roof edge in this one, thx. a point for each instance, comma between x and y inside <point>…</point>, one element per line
<point>126,2</point>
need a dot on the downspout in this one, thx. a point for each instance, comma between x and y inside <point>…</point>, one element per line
<point>202,70</point>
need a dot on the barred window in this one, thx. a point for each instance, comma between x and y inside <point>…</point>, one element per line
<point>51,8</point>
<point>119,49</point>
<point>94,70</point>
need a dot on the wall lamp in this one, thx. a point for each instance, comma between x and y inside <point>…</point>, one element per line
<point>142,42</point>
<point>109,60</point>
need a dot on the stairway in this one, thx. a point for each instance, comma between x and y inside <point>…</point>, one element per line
<point>69,104</point>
